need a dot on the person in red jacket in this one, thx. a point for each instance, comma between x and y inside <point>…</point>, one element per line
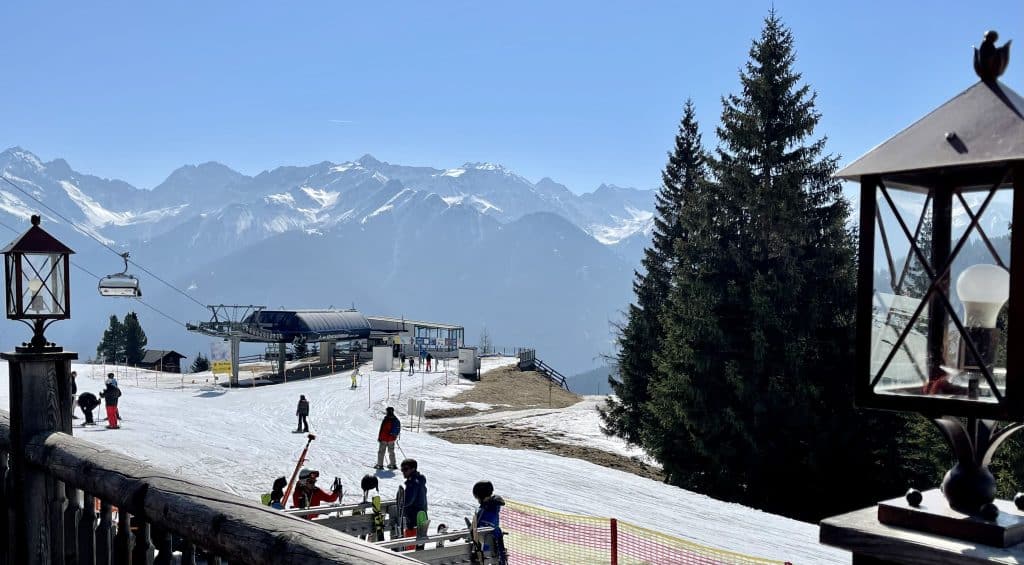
<point>390,428</point>
<point>307,494</point>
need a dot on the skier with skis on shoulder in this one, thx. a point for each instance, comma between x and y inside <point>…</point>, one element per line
<point>308,495</point>
<point>302,411</point>
<point>488,516</point>
<point>390,429</point>
<point>415,497</point>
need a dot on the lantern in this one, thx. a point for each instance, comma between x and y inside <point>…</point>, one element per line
<point>37,269</point>
<point>938,265</point>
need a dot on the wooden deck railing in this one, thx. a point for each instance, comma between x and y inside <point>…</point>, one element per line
<point>157,514</point>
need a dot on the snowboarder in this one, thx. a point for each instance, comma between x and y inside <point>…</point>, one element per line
<point>110,397</point>
<point>415,497</point>
<point>88,402</point>
<point>430,358</point>
<point>488,515</point>
<point>308,495</point>
<point>390,429</point>
<point>74,392</point>
<point>277,494</point>
<point>302,411</point>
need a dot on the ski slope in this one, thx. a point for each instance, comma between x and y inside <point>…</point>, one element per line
<point>239,440</point>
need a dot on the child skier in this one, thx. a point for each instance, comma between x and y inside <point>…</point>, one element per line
<point>488,515</point>
<point>308,495</point>
<point>88,402</point>
<point>277,494</point>
<point>110,396</point>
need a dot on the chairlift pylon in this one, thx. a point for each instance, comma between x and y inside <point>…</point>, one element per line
<point>120,284</point>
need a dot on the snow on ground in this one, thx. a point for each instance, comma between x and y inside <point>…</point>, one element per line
<point>240,439</point>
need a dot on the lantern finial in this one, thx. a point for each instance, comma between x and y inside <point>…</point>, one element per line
<point>35,219</point>
<point>990,61</point>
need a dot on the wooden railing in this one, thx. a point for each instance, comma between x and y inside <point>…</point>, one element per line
<point>528,361</point>
<point>158,515</point>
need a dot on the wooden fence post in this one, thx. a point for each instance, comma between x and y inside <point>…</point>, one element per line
<point>40,402</point>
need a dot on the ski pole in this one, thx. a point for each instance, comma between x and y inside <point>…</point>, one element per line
<point>295,473</point>
<point>400,450</point>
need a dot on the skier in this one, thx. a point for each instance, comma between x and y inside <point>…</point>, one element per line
<point>402,365</point>
<point>278,493</point>
<point>308,495</point>
<point>390,429</point>
<point>430,358</point>
<point>355,378</point>
<point>302,411</point>
<point>110,396</point>
<point>415,497</point>
<point>74,391</point>
<point>487,515</point>
<point>412,364</point>
<point>87,401</point>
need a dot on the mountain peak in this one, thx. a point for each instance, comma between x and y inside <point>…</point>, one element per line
<point>368,161</point>
<point>20,154</point>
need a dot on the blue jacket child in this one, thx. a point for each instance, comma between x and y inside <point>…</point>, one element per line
<point>488,515</point>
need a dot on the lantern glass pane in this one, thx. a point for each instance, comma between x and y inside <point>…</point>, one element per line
<point>11,280</point>
<point>43,285</point>
<point>944,339</point>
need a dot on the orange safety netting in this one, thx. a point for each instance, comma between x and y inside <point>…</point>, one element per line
<point>537,536</point>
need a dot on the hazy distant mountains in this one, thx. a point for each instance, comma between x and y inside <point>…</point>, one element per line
<point>476,245</point>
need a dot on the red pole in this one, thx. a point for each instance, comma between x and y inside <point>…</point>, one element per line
<point>302,459</point>
<point>615,541</point>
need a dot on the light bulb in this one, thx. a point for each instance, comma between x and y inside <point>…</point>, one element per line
<point>34,285</point>
<point>983,289</point>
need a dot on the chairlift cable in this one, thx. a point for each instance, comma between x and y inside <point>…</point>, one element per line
<point>97,277</point>
<point>97,240</point>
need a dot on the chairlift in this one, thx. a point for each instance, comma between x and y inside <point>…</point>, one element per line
<point>120,284</point>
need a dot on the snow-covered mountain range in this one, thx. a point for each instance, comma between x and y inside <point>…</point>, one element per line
<point>554,267</point>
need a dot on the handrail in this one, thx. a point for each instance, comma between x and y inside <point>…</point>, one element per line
<point>230,526</point>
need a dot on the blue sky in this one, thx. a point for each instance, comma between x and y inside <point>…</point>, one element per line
<point>583,92</point>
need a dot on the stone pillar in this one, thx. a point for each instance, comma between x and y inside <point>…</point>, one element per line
<point>40,389</point>
<point>326,352</point>
<point>233,379</point>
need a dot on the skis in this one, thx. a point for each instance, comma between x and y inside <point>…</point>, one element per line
<point>378,519</point>
<point>398,524</point>
<point>298,465</point>
<point>478,548</point>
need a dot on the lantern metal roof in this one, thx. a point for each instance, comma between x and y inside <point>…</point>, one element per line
<point>36,240</point>
<point>976,132</point>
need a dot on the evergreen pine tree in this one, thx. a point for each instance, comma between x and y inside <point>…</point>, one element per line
<point>624,414</point>
<point>200,364</point>
<point>135,340</point>
<point>111,347</point>
<point>754,392</point>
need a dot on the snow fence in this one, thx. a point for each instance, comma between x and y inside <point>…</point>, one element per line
<point>538,536</point>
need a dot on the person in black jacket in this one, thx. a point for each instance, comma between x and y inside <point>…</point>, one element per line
<point>74,392</point>
<point>88,402</point>
<point>415,496</point>
<point>302,411</point>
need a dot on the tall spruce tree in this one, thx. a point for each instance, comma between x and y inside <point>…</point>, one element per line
<point>111,347</point>
<point>624,415</point>
<point>753,397</point>
<point>135,340</point>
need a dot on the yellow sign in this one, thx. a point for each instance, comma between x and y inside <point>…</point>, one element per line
<point>221,367</point>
